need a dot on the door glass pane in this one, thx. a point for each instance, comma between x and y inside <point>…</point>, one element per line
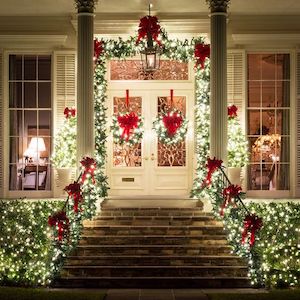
<point>123,155</point>
<point>171,155</point>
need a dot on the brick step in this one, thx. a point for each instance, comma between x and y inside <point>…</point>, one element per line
<point>138,260</point>
<point>87,250</point>
<point>153,271</point>
<point>153,212</point>
<point>152,230</point>
<point>153,220</point>
<point>154,282</point>
<point>153,239</point>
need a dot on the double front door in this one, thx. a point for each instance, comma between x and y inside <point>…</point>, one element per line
<point>151,167</point>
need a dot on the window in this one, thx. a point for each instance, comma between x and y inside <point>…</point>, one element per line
<point>30,122</point>
<point>269,121</point>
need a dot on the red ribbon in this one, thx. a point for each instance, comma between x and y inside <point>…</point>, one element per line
<point>252,223</point>
<point>212,165</point>
<point>128,122</point>
<point>61,220</point>
<point>74,191</point>
<point>172,121</point>
<point>69,112</point>
<point>229,193</point>
<point>89,165</point>
<point>232,111</point>
<point>149,25</point>
<point>201,52</point>
<point>98,49</point>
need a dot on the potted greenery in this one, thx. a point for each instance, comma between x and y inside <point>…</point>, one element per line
<point>64,155</point>
<point>238,154</point>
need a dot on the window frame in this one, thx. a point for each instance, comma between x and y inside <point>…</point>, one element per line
<point>292,124</point>
<point>11,194</point>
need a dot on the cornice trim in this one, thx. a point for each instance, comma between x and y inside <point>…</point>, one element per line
<point>266,38</point>
<point>39,41</point>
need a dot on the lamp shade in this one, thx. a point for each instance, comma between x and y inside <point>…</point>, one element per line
<point>37,144</point>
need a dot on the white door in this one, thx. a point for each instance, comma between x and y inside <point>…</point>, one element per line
<point>151,168</point>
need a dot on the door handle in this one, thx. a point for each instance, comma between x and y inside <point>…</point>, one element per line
<point>152,156</point>
<point>146,158</point>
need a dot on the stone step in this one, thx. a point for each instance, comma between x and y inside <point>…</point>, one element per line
<point>153,239</point>
<point>153,212</point>
<point>154,271</point>
<point>87,250</point>
<point>154,282</point>
<point>153,220</point>
<point>142,260</point>
<point>152,230</point>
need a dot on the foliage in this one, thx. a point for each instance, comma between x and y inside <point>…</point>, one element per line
<point>26,252</point>
<point>64,154</point>
<point>238,154</point>
<point>274,260</point>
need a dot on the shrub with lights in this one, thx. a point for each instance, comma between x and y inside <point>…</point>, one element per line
<point>238,154</point>
<point>267,235</point>
<point>64,154</point>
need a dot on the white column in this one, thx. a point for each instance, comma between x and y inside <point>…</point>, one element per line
<point>218,79</point>
<point>85,94</point>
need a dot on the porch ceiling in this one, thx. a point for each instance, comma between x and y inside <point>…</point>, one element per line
<point>67,7</point>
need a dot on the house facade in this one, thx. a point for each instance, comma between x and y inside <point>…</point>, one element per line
<point>38,79</point>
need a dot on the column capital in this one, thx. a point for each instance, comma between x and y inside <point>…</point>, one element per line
<point>218,6</point>
<point>86,6</point>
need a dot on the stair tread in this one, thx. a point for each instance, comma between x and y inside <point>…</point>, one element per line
<point>156,277</point>
<point>154,236</point>
<point>154,226</point>
<point>154,267</point>
<point>155,256</point>
<point>152,246</point>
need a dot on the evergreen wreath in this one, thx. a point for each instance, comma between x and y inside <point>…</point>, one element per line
<point>171,126</point>
<point>127,127</point>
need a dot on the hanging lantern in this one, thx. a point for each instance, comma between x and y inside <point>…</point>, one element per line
<point>150,56</point>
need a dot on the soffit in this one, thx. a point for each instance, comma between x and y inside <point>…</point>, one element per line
<point>66,7</point>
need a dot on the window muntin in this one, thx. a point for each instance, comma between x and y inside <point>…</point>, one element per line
<point>30,125</point>
<point>268,116</point>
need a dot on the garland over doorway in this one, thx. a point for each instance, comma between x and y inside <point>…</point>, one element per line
<point>194,50</point>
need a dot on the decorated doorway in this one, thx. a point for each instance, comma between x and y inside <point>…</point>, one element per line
<point>151,167</point>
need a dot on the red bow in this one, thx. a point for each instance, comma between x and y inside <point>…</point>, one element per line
<point>89,165</point>
<point>128,122</point>
<point>172,122</point>
<point>201,52</point>
<point>212,165</point>
<point>69,112</point>
<point>98,49</point>
<point>232,111</point>
<point>149,25</point>
<point>230,192</point>
<point>61,220</point>
<point>252,223</point>
<point>74,191</point>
